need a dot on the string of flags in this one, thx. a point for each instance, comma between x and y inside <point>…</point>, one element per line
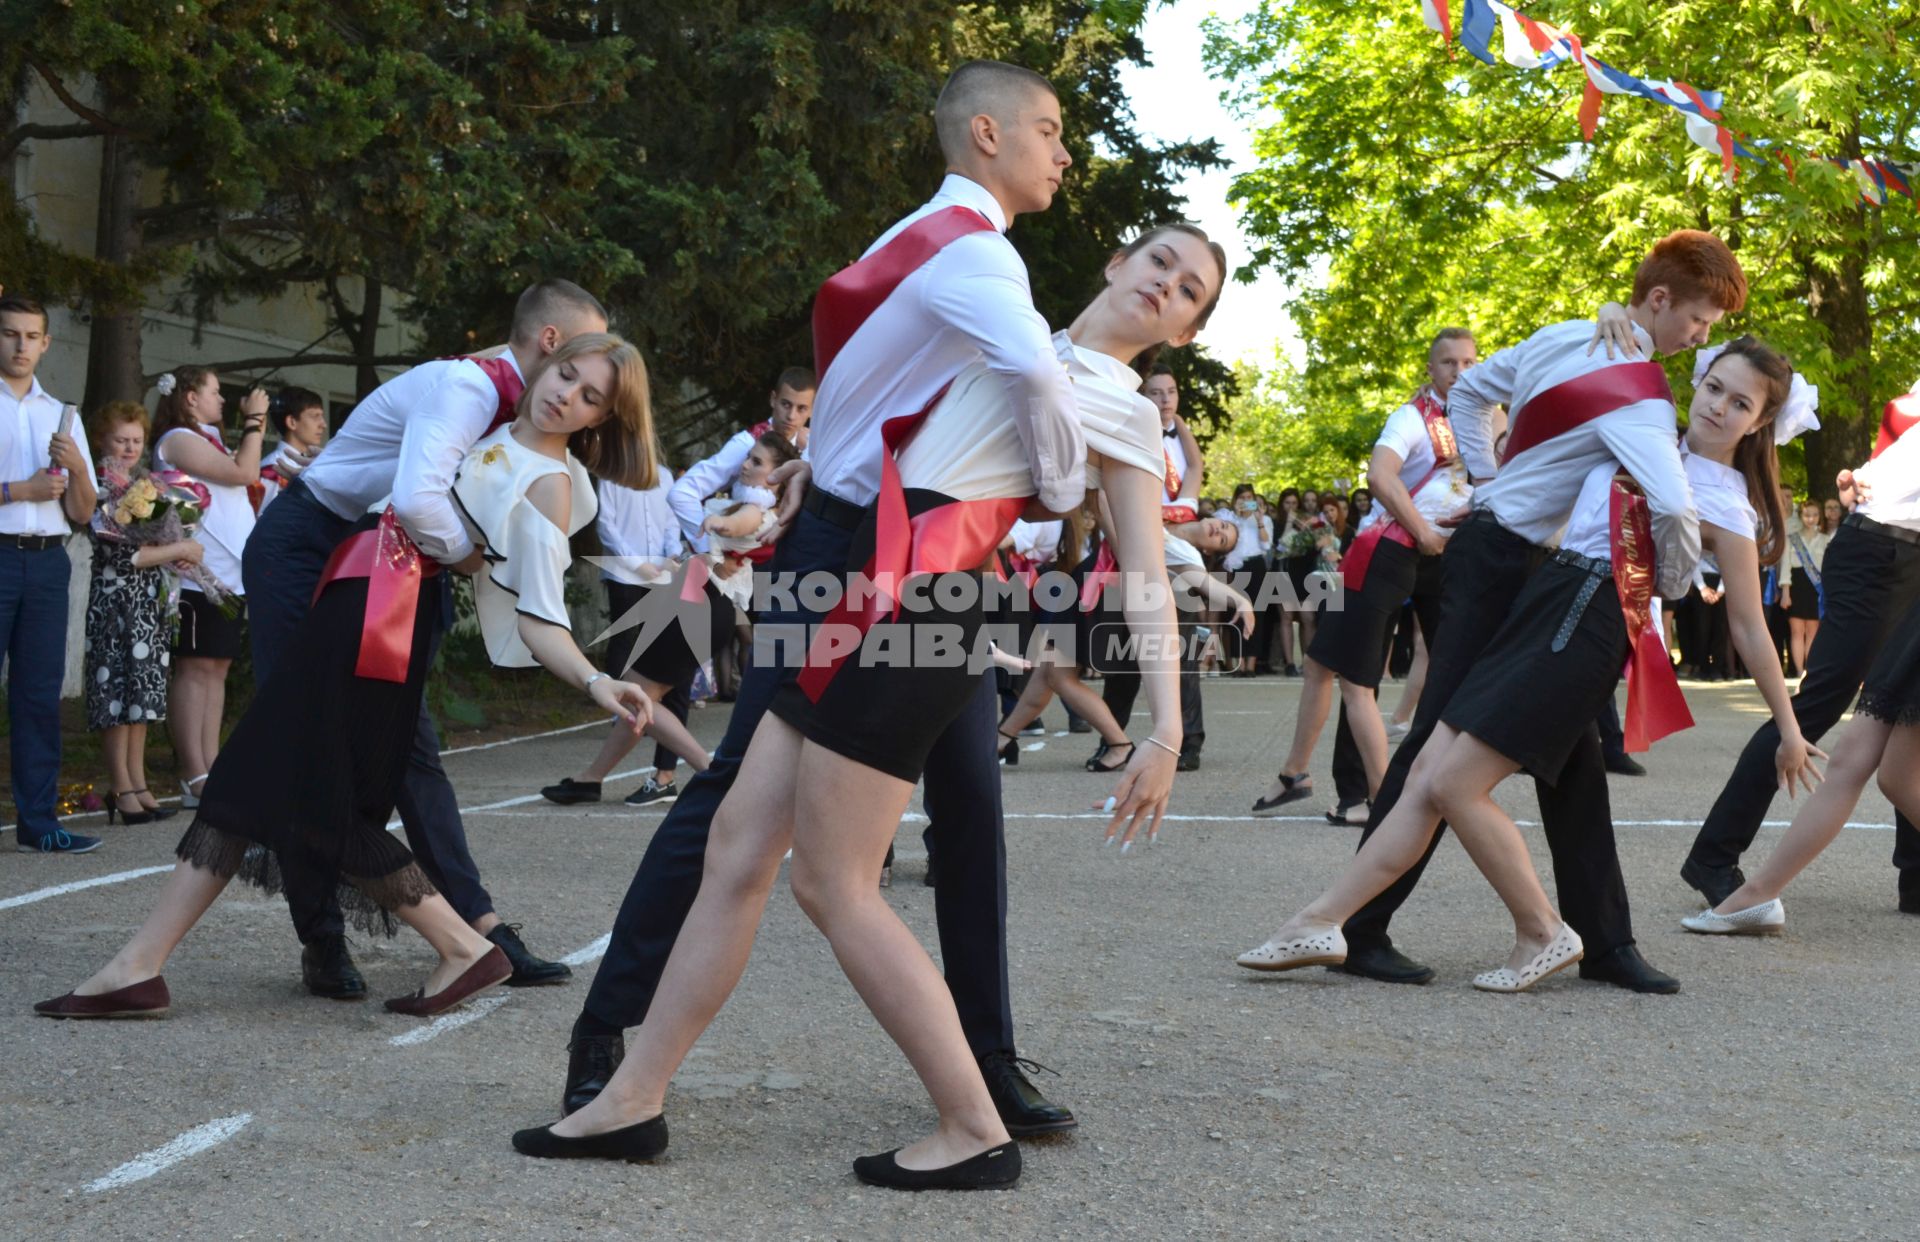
<point>1529,44</point>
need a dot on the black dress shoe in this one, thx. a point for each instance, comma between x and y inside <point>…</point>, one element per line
<point>1384,963</point>
<point>1910,903</point>
<point>1189,761</point>
<point>570,792</point>
<point>528,971</point>
<point>328,970</point>
<point>1625,765</point>
<point>1716,884</point>
<point>1077,725</point>
<point>1625,968</point>
<point>591,1061</point>
<point>1023,1110</point>
<point>996,1168</point>
<point>641,1141</point>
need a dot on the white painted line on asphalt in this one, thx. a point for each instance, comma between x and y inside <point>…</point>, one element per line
<point>1321,819</point>
<point>192,1143</point>
<point>592,953</point>
<point>531,737</point>
<point>118,877</point>
<point>1030,747</point>
<point>452,1021</point>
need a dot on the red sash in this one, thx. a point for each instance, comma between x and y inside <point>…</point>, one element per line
<point>1655,706</point>
<point>1582,399</point>
<point>1900,416</point>
<point>393,567</point>
<point>506,382</point>
<point>955,536</point>
<point>1353,566</point>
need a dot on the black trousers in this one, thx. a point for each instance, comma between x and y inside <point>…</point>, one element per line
<point>1120,686</point>
<point>1349,769</point>
<point>965,829</point>
<point>1871,578</point>
<point>1485,568</point>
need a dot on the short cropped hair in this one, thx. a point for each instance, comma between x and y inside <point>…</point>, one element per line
<point>551,301</point>
<point>14,304</point>
<point>289,403</point>
<point>1693,266</point>
<point>1449,334</point>
<point>980,86</point>
<point>799,379</point>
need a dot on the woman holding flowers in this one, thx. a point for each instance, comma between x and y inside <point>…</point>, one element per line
<point>187,439</point>
<point>127,621</point>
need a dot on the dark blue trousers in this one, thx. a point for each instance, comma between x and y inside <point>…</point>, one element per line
<point>33,627</point>
<point>284,559</point>
<point>966,833</point>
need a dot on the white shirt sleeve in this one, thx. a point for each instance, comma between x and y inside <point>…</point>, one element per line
<point>452,418</point>
<point>1404,432</point>
<point>1643,438</point>
<point>701,480</point>
<point>980,287</point>
<point>1474,401</point>
<point>1893,477</point>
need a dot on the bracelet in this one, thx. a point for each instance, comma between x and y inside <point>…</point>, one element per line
<point>588,685</point>
<point>1162,745</point>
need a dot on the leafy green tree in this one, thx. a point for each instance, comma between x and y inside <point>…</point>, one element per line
<point>1406,187</point>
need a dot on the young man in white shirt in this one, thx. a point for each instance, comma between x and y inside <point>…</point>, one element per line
<point>46,492</point>
<point>405,440</point>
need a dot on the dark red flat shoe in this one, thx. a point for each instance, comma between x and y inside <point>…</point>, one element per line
<point>483,974</point>
<point>147,999</point>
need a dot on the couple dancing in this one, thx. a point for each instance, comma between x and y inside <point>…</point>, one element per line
<point>945,410</point>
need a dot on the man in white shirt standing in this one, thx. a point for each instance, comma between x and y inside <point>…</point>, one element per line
<point>46,491</point>
<point>967,300</point>
<point>405,441</point>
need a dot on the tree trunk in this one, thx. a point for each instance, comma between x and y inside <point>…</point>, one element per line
<point>366,339</point>
<point>113,345</point>
<point>1850,410</point>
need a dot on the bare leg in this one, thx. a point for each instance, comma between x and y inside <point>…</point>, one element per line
<point>1034,697</point>
<point>114,746</point>
<point>186,705</point>
<point>1463,794</point>
<point>1369,731</point>
<point>1415,683</point>
<point>1865,745</point>
<point>669,732</point>
<point>751,831</point>
<point>845,815</point>
<point>187,894</point>
<point>137,764</point>
<point>618,744</point>
<point>1316,701</point>
<point>1087,705</point>
<point>458,945</point>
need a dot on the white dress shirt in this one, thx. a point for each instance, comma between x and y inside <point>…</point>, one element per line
<point>227,522</point>
<point>1255,542</point>
<point>639,533</point>
<point>26,425</point>
<point>1533,495</point>
<point>1893,483</point>
<point>406,441</point>
<point>1039,542</point>
<point>1719,495</point>
<point>1406,435</point>
<point>971,300</point>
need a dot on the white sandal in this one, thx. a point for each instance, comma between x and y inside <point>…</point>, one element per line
<point>1769,918</point>
<point>1561,952</point>
<point>1322,948</point>
<point>189,799</point>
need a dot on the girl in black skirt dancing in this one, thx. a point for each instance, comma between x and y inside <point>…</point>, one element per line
<point>357,689</point>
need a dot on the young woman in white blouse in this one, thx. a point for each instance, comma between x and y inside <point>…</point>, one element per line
<point>1733,473</point>
<point>186,437</point>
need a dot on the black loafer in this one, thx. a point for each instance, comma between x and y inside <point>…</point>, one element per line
<point>1383,963</point>
<point>643,1140</point>
<point>591,1061</point>
<point>1189,761</point>
<point>996,1168</point>
<point>1077,725</point>
<point>1625,765</point>
<point>1910,903</point>
<point>328,970</point>
<point>570,792</point>
<point>1625,968</point>
<point>1023,1110</point>
<point>528,971</point>
<point>1716,884</point>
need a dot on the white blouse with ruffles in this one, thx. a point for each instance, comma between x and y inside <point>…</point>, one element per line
<point>969,446</point>
<point>526,554</point>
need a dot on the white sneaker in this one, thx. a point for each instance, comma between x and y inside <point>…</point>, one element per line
<point>1769,918</point>
<point>1561,952</point>
<point>1397,729</point>
<point>1327,947</point>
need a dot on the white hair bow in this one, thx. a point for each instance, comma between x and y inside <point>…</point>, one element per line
<point>166,384</point>
<point>1796,417</point>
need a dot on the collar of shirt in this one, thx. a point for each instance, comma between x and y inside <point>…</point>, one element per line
<point>34,390</point>
<point>967,192</point>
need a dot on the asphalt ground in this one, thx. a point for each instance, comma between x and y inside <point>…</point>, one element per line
<point>1772,1097</point>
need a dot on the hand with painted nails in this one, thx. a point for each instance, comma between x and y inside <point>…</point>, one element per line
<point>1141,795</point>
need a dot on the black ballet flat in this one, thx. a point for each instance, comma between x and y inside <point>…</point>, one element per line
<point>997,1168</point>
<point>643,1140</point>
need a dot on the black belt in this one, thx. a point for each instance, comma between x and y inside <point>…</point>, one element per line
<point>1597,571</point>
<point>33,543</point>
<point>829,508</point>
<point>1881,528</point>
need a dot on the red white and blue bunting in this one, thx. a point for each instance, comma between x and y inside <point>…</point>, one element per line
<point>1529,44</point>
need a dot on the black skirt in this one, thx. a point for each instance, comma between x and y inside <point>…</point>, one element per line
<point>1806,597</point>
<point>310,776</point>
<point>1353,640</point>
<point>669,658</point>
<point>891,699</point>
<point>1530,702</point>
<point>206,631</point>
<point>1892,690</point>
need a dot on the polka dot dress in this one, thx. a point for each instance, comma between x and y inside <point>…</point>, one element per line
<point>127,620</point>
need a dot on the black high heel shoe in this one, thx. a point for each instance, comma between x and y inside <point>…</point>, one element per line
<point>1095,765</point>
<point>141,816</point>
<point>1009,750</point>
<point>996,1168</point>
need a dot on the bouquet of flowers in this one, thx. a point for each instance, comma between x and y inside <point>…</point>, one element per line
<point>160,507</point>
